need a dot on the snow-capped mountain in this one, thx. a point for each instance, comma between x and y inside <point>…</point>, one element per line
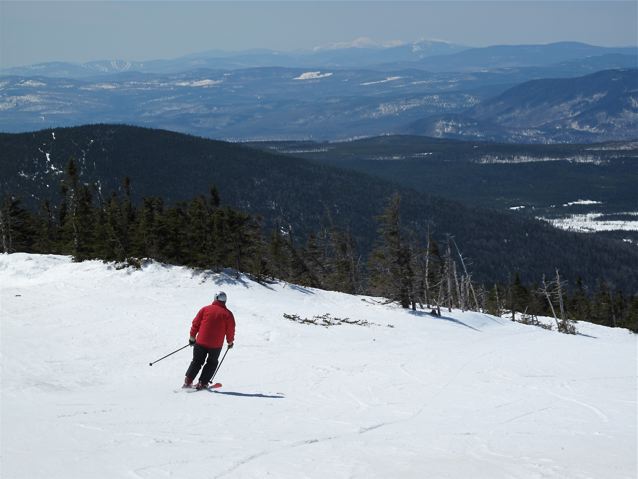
<point>390,393</point>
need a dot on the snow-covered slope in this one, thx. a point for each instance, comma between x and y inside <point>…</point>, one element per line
<point>409,395</point>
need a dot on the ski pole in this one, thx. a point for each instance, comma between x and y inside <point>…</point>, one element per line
<point>169,354</point>
<point>219,365</point>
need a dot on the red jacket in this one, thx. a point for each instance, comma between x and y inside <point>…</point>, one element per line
<point>211,324</point>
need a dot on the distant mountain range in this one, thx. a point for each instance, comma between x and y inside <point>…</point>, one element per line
<point>599,107</point>
<point>433,56</point>
<point>354,56</point>
<point>301,194</point>
<point>429,88</point>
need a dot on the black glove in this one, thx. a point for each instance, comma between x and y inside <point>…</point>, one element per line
<point>230,345</point>
<point>191,341</point>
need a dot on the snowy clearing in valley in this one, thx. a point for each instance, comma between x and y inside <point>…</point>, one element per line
<point>406,395</point>
<point>592,222</point>
<point>312,76</point>
<point>388,79</point>
<point>199,83</point>
<point>583,202</point>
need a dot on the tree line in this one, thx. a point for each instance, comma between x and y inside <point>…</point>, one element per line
<point>419,273</point>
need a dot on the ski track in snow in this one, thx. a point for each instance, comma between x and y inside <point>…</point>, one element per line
<point>465,395</point>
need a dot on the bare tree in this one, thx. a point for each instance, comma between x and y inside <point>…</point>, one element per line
<point>467,275</point>
<point>555,289</point>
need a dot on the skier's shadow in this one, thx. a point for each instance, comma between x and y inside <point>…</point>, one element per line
<point>246,395</point>
<point>444,318</point>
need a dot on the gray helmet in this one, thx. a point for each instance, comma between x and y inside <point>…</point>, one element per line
<point>220,296</point>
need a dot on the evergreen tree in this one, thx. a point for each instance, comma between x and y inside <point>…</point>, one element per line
<point>78,222</point>
<point>242,239</point>
<point>278,258</point>
<point>578,302</point>
<point>602,309</point>
<point>343,264</point>
<point>16,226</point>
<point>126,219</point>
<point>631,315</point>
<point>214,198</point>
<point>148,233</point>
<point>111,234</point>
<point>391,273</point>
<point>46,235</point>
<point>172,224</point>
<point>298,270</point>
<point>85,225</point>
<point>314,259</point>
<point>198,234</point>
<point>519,296</point>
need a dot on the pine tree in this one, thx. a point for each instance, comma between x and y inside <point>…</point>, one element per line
<point>146,239</point>
<point>519,296</point>
<point>298,270</point>
<point>578,302</point>
<point>242,238</point>
<point>391,262</point>
<point>214,199</point>
<point>343,263</point>
<point>46,235</point>
<point>172,224</point>
<point>79,218</point>
<point>278,258</point>
<point>631,316</point>
<point>313,257</point>
<point>85,225</point>
<point>198,234</point>
<point>126,219</point>
<point>601,311</point>
<point>111,243</point>
<point>16,226</point>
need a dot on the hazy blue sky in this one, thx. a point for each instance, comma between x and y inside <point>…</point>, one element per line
<point>40,31</point>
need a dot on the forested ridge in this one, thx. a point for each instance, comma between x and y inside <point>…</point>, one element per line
<point>321,226</point>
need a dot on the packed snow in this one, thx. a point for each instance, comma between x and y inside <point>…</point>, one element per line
<point>402,394</point>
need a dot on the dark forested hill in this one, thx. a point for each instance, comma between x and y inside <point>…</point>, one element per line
<point>535,180</point>
<point>286,190</point>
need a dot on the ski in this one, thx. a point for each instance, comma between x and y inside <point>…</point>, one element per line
<point>212,387</point>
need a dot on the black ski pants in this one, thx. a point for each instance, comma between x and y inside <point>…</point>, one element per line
<point>201,354</point>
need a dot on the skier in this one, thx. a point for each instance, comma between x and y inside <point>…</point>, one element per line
<point>210,326</point>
